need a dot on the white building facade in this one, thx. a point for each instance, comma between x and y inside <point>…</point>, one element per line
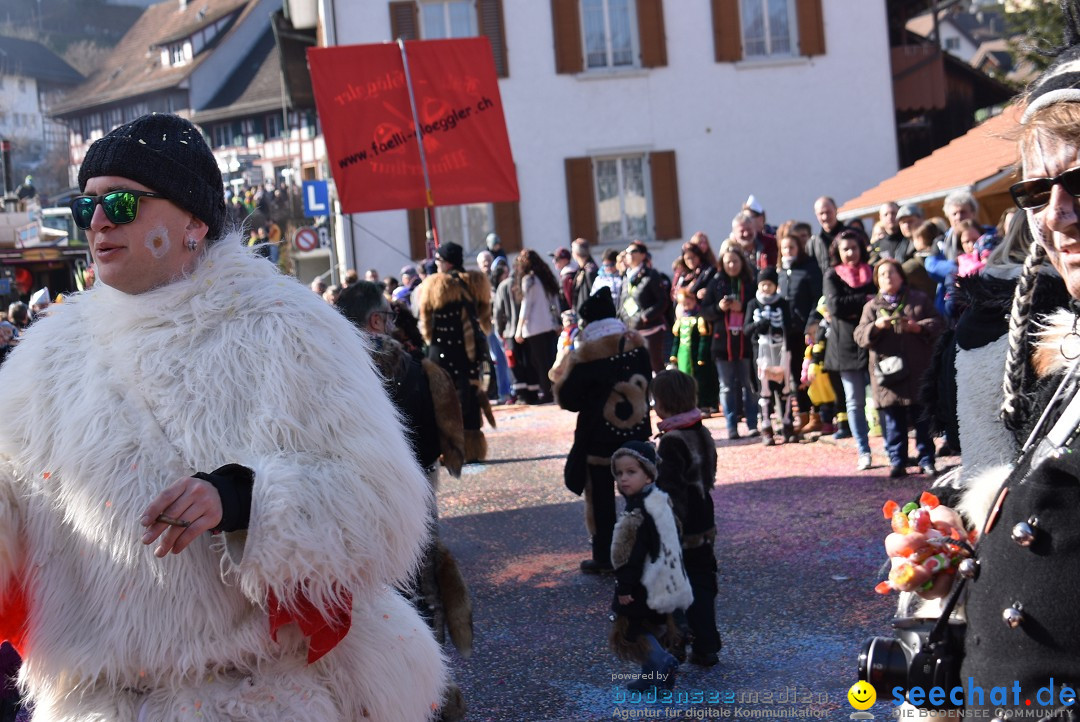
<point>651,119</point>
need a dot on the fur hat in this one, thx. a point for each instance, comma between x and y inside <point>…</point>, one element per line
<point>768,274</point>
<point>597,306</point>
<point>643,451</point>
<point>452,253</point>
<point>167,154</point>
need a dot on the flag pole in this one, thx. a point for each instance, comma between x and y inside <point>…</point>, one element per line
<point>430,208</point>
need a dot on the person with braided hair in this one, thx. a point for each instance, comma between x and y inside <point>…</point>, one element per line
<point>1020,590</point>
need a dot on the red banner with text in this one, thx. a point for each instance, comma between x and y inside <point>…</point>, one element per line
<point>371,139</point>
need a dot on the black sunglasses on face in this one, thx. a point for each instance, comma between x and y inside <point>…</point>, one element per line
<point>120,206</point>
<point>1033,194</point>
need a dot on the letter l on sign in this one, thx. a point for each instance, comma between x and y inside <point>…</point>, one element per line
<point>316,198</point>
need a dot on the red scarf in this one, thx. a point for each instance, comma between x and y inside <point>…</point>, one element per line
<point>680,421</point>
<point>13,615</point>
<point>855,277</point>
<point>323,631</point>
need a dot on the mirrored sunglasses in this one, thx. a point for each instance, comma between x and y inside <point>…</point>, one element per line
<point>1033,194</point>
<point>120,206</point>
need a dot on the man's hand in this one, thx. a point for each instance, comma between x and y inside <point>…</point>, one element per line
<point>182,512</point>
<point>625,599</point>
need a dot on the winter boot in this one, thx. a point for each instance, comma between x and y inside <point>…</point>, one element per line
<point>812,425</point>
<point>843,429</point>
<point>790,437</point>
<point>767,436</point>
<point>802,420</point>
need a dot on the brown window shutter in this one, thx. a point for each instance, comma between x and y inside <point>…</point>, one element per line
<point>489,13</point>
<point>566,24</point>
<point>727,31</point>
<point>417,234</point>
<point>665,192</point>
<point>650,15</point>
<point>581,199</point>
<point>508,225</point>
<point>811,27</point>
<point>404,20</point>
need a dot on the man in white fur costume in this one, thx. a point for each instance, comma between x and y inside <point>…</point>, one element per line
<point>259,590</point>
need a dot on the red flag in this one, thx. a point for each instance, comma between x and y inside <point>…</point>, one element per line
<point>371,139</point>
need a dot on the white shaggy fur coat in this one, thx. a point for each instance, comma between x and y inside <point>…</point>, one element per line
<point>113,397</point>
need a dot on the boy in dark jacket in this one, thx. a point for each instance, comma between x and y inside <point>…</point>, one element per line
<point>687,473</point>
<point>768,322</point>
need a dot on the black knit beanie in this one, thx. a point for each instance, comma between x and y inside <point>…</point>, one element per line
<point>597,306</point>
<point>168,154</point>
<point>643,451</point>
<point>452,253</point>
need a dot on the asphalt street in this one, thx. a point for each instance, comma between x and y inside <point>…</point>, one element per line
<point>799,545</point>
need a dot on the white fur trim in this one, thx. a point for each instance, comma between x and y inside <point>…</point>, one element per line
<point>982,490</point>
<point>601,328</point>
<point>665,579</point>
<point>110,398</point>
<point>1049,336</point>
<point>10,513</point>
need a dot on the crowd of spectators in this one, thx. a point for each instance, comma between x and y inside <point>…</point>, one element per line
<point>758,319</point>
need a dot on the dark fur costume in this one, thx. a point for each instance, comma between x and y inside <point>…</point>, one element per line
<point>605,380</point>
<point>425,396</point>
<point>987,299</point>
<point>455,318</point>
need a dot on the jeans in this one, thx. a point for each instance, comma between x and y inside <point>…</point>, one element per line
<point>659,663</point>
<point>502,370</point>
<point>896,421</point>
<point>854,383</point>
<point>735,379</point>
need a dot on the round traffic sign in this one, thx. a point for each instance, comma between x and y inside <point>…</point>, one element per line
<point>306,239</point>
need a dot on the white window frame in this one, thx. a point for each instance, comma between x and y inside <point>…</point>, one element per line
<point>635,40</point>
<point>770,53</point>
<point>625,234</point>
<point>222,135</point>
<point>448,30</point>
<point>275,126</point>
<point>473,242</point>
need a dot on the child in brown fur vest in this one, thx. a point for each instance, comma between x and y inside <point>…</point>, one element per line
<point>651,581</point>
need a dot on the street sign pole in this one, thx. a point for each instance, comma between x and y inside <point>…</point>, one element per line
<point>420,145</point>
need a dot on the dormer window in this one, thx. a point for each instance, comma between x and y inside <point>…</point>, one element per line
<point>176,53</point>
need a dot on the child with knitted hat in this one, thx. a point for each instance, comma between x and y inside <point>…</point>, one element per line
<point>647,556</point>
<point>687,473</point>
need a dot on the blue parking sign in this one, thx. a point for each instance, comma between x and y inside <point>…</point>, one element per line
<point>316,198</point>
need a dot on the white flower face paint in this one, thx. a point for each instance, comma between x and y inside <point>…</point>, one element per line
<point>157,241</point>
<point>1056,226</point>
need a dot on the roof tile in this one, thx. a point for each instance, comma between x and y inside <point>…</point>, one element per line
<point>983,152</point>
